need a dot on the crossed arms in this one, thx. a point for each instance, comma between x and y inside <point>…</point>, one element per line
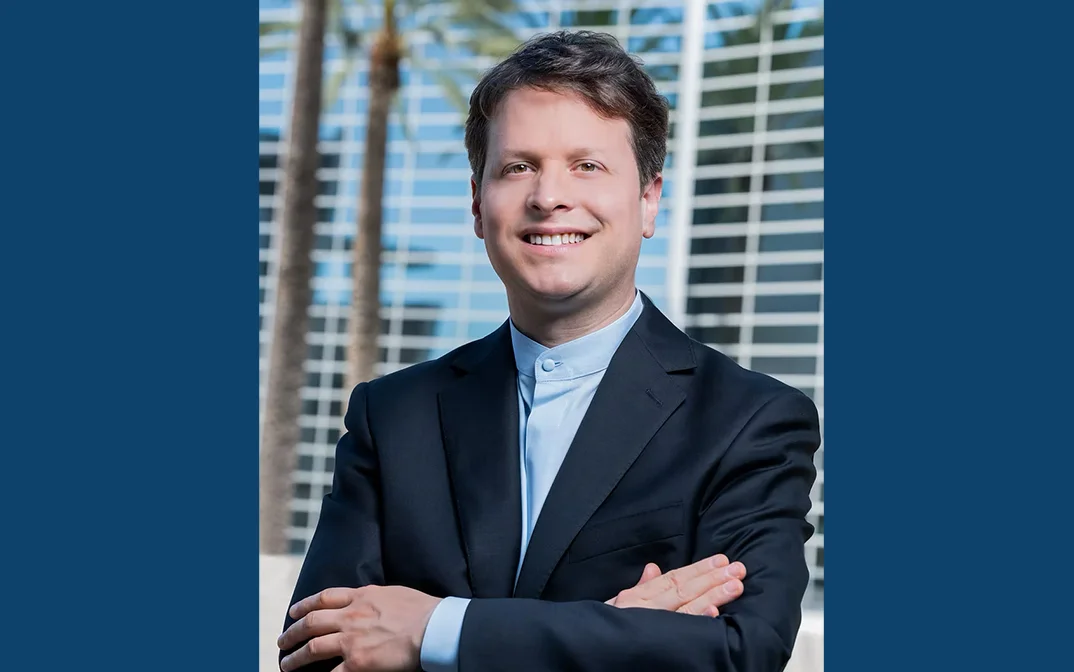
<point>755,513</point>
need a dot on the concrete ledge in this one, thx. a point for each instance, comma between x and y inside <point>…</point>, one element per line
<point>278,574</point>
<point>808,655</point>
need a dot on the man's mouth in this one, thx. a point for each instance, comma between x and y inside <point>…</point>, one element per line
<point>556,239</point>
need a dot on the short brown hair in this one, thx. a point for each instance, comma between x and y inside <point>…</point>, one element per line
<point>594,66</point>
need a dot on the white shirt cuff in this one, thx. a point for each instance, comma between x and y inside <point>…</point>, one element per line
<point>440,645</point>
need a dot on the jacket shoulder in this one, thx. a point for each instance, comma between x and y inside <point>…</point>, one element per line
<point>420,377</point>
<point>714,368</point>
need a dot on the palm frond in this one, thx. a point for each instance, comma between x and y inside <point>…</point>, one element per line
<point>273,36</point>
<point>414,6</point>
<point>450,87</point>
<point>435,29</point>
<point>463,7</point>
<point>495,46</point>
<point>270,28</point>
<point>334,84</point>
<point>482,20</point>
<point>398,104</point>
<point>268,51</point>
<point>479,35</point>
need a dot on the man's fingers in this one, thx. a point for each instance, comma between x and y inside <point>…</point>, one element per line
<point>321,648</point>
<point>696,587</point>
<point>330,598</point>
<point>709,604</point>
<point>313,624</point>
<point>690,585</point>
<point>685,592</point>
<point>675,580</point>
<point>650,572</point>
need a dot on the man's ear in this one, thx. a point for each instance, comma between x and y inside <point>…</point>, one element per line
<point>475,208</point>
<point>650,198</point>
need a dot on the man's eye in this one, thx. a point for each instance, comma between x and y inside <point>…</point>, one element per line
<point>518,168</point>
<point>588,167</point>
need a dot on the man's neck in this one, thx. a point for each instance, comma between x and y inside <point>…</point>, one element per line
<point>555,325</point>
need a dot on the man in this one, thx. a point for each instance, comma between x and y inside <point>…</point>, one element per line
<point>491,509</point>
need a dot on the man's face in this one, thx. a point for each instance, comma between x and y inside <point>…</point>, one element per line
<point>560,207</point>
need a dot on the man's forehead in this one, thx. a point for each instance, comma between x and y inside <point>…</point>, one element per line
<point>519,102</point>
<point>520,126</point>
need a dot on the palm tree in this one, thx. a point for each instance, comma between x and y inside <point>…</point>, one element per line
<point>487,34</point>
<point>384,57</point>
<point>293,294</point>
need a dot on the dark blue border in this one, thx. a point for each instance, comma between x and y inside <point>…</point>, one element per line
<point>130,428</point>
<point>947,320</point>
<point>129,472</point>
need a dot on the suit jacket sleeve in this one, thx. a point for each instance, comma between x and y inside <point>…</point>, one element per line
<point>753,511</point>
<point>345,550</point>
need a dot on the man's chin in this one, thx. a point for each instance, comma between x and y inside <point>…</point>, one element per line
<point>556,294</point>
<point>563,300</point>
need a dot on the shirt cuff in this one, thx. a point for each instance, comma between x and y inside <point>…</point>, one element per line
<point>440,645</point>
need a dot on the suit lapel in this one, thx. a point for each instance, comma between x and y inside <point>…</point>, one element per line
<point>634,399</point>
<point>479,424</point>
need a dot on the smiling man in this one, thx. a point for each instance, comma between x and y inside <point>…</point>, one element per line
<point>494,509</point>
<point>563,205</point>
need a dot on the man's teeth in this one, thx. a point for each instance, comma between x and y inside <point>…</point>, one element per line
<point>558,239</point>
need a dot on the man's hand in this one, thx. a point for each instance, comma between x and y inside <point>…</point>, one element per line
<point>372,628</point>
<point>699,589</point>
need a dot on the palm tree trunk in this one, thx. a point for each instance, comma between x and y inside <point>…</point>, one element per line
<point>286,373</point>
<point>365,321</point>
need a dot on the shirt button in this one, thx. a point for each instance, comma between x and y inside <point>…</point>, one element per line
<point>548,365</point>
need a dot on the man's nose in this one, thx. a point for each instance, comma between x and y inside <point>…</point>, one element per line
<point>551,192</point>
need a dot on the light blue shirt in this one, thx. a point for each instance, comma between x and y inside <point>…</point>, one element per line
<point>555,387</point>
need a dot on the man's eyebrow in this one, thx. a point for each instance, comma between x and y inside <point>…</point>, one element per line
<point>515,154</point>
<point>585,152</point>
<point>526,155</point>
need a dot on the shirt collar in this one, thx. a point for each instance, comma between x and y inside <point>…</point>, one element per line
<point>581,357</point>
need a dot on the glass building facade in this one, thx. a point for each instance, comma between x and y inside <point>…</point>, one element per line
<point>737,260</point>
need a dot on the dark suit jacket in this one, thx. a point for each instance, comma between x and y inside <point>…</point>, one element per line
<point>681,455</point>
